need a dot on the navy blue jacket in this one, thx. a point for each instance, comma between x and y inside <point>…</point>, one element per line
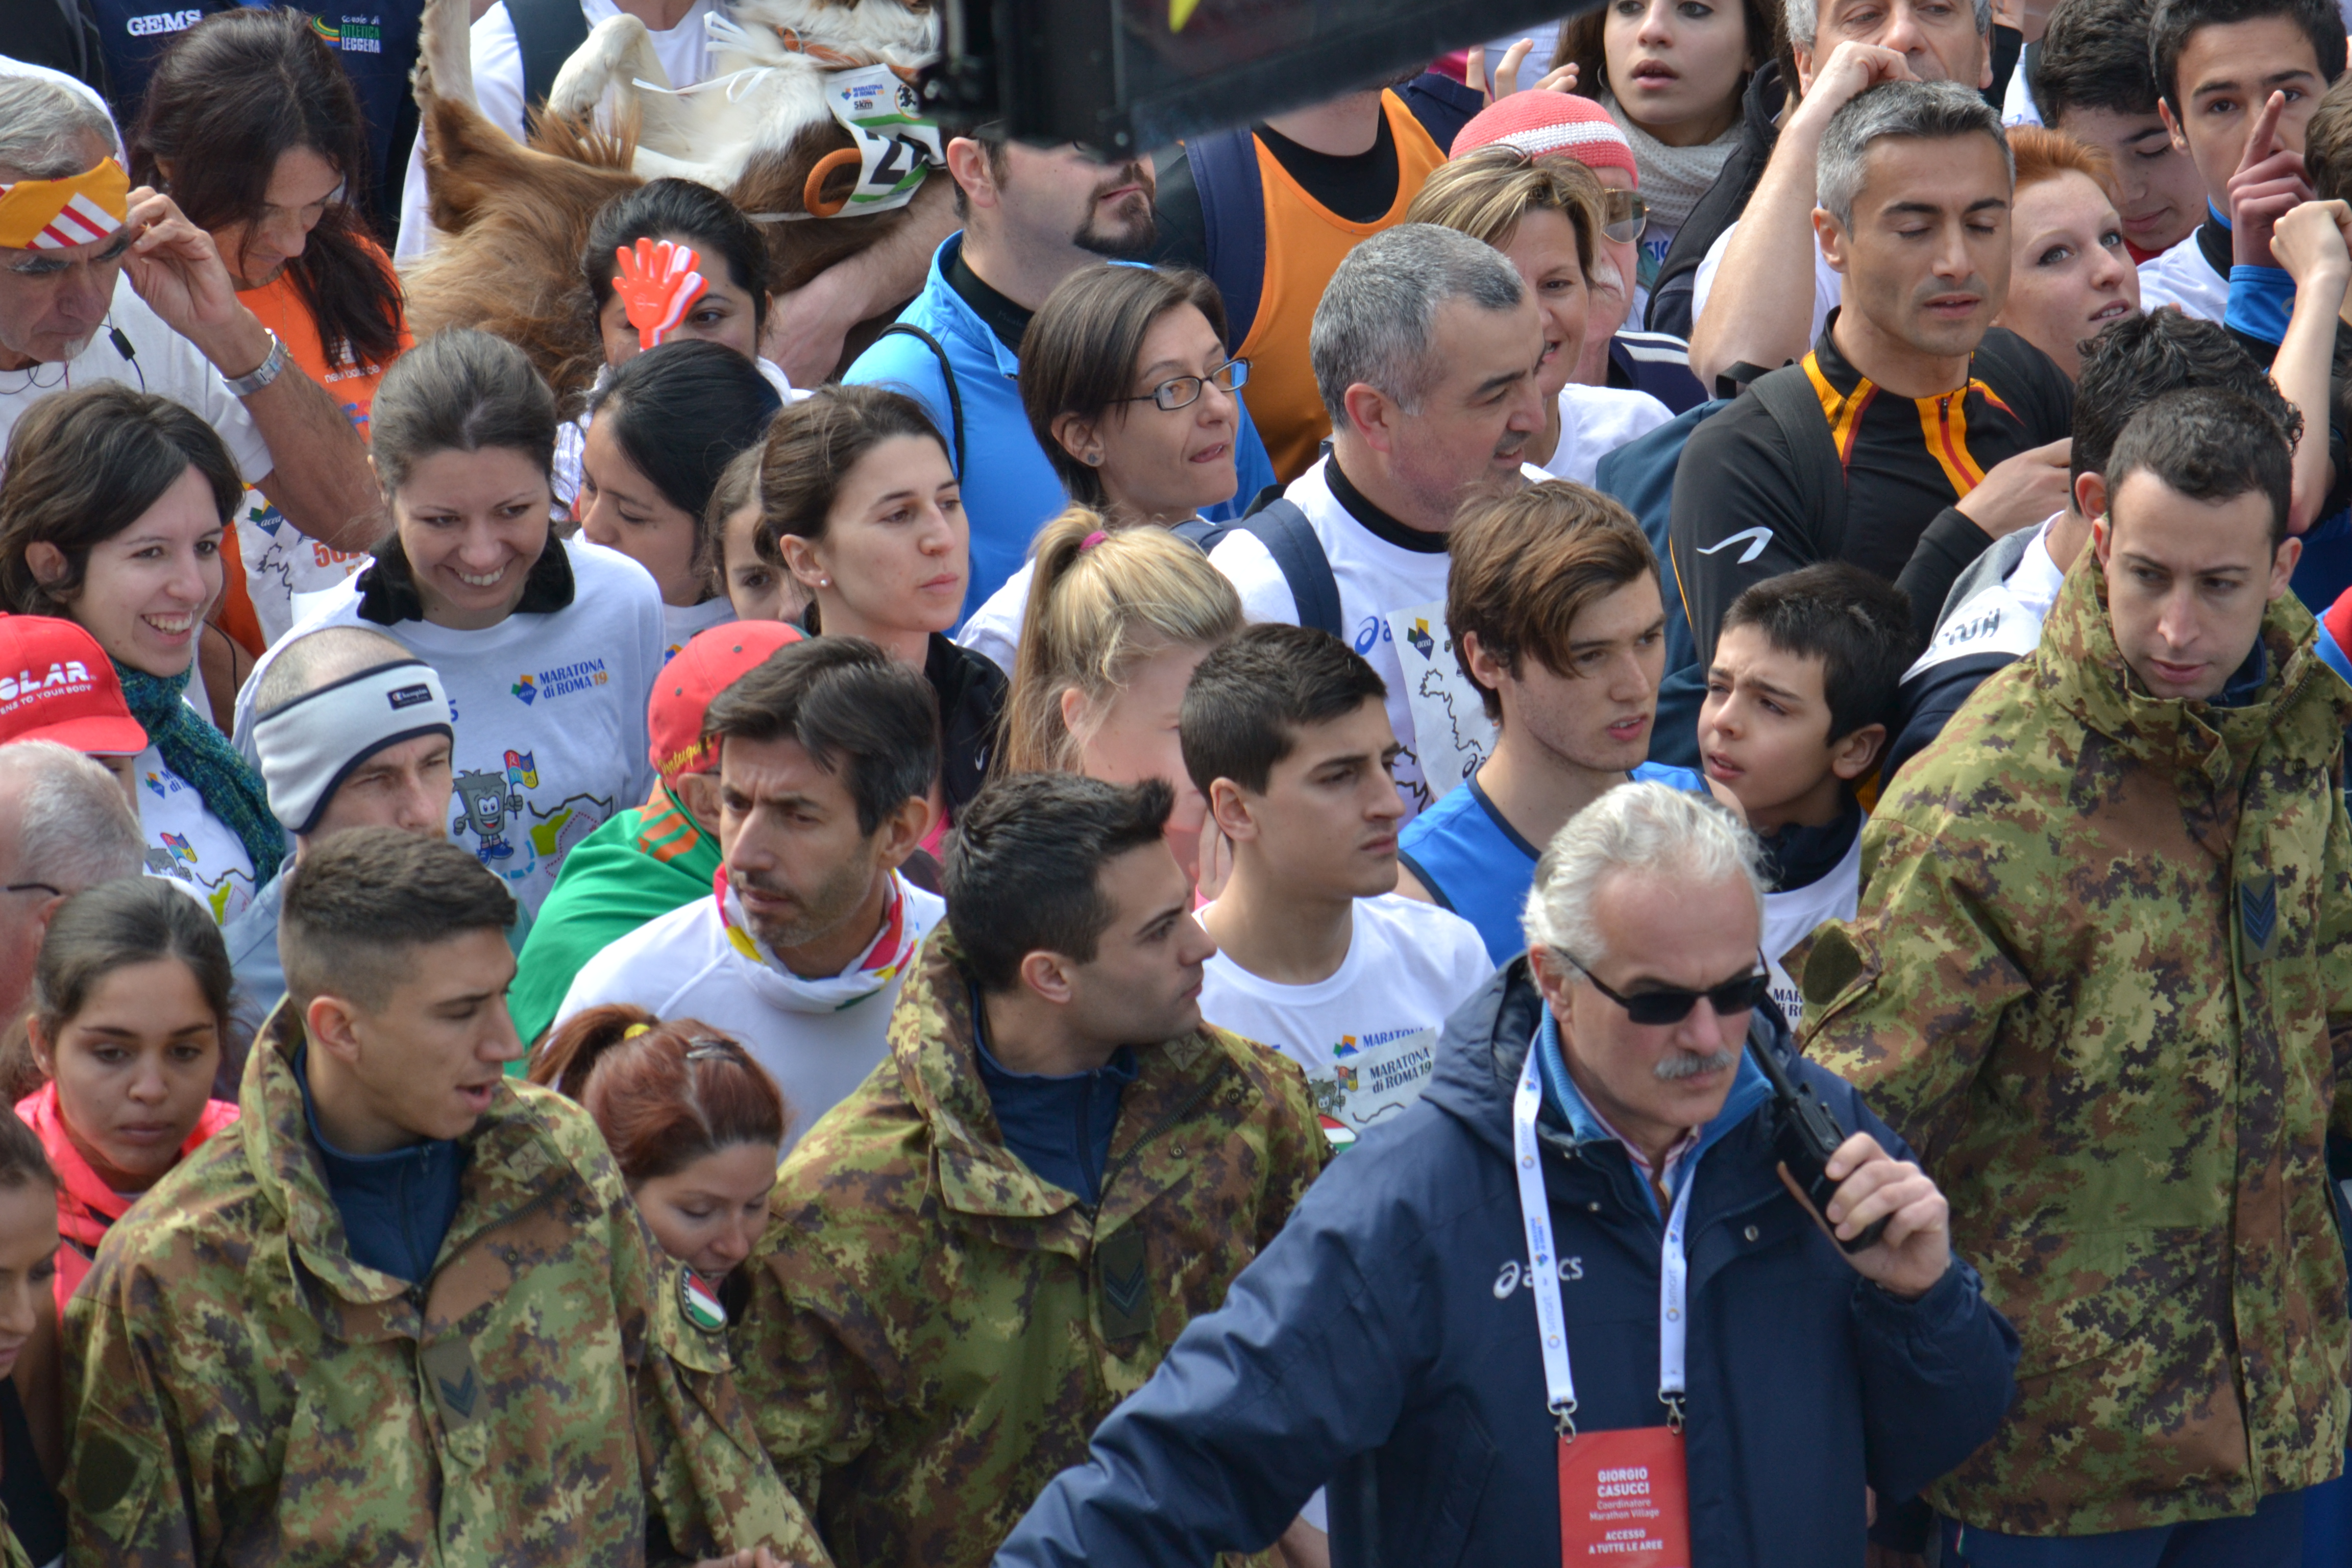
<point>1385,1343</point>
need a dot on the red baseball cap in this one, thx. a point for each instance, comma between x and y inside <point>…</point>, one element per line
<point>708,665</point>
<point>57,684</point>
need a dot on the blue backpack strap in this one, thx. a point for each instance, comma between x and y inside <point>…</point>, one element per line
<point>947,374</point>
<point>1285,531</point>
<point>1233,218</point>
<point>1287,536</point>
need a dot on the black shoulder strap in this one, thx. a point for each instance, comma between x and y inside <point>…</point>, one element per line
<point>1284,530</point>
<point>549,32</point>
<point>947,374</point>
<point>1788,395</point>
<point>1233,218</point>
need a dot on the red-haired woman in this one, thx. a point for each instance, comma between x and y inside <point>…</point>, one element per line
<point>695,1124</point>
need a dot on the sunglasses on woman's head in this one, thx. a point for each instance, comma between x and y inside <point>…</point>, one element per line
<point>1672,1004</point>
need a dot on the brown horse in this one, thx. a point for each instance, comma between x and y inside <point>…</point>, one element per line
<point>513,219</point>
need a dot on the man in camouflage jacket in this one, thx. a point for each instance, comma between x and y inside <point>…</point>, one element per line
<point>935,1328</point>
<point>2099,981</point>
<point>242,1390</point>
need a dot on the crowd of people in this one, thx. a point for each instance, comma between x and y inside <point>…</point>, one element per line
<point>1107,918</point>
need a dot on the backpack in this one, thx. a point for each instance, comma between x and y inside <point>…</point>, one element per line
<point>1640,475</point>
<point>947,374</point>
<point>549,32</point>
<point>1287,536</point>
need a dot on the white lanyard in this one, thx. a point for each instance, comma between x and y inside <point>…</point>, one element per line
<point>1543,1269</point>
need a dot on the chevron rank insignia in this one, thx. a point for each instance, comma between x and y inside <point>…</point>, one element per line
<point>1122,1267</point>
<point>699,1302</point>
<point>2258,914</point>
<point>448,1366</point>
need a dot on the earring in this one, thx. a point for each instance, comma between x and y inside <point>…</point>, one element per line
<point>824,581</point>
<point>1094,459</point>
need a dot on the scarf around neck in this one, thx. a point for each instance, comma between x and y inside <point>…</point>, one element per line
<point>1673,178</point>
<point>201,755</point>
<point>884,958</point>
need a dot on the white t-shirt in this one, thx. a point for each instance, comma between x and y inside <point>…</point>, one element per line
<point>683,966</point>
<point>2016,105</point>
<point>1393,611</point>
<point>2181,276</point>
<point>186,842</point>
<point>1792,916</point>
<point>684,52</point>
<point>680,622</point>
<point>1828,284</point>
<point>550,713</point>
<point>162,363</point>
<point>994,630</point>
<point>1594,421</point>
<point>1367,1034</point>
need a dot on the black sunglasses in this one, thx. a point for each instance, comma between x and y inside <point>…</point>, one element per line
<point>1671,1004</point>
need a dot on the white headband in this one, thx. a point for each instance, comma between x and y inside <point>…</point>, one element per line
<point>312,744</point>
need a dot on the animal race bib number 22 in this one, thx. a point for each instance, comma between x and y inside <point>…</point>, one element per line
<point>895,146</point>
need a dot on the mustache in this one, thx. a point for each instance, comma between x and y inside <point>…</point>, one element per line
<point>1690,1064</point>
<point>1131,175</point>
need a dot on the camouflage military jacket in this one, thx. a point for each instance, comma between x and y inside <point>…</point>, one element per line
<point>242,1392</point>
<point>2099,980</point>
<point>934,1331</point>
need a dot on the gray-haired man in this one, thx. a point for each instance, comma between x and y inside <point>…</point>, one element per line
<point>1725,1377</point>
<point>101,283</point>
<point>64,827</point>
<point>1916,433</point>
<point>1424,349</point>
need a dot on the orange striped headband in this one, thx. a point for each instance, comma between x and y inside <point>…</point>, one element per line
<point>53,215</point>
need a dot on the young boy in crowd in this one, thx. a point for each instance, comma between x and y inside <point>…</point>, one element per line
<point>2091,80</point>
<point>2217,65</point>
<point>1552,598</point>
<point>1804,675</point>
<point>1285,732</point>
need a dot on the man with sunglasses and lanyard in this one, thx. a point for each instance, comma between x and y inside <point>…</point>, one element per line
<point>1694,1370</point>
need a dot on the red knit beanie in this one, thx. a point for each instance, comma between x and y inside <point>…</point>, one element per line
<point>1536,121</point>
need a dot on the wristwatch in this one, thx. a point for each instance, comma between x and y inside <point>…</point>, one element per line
<point>246,386</point>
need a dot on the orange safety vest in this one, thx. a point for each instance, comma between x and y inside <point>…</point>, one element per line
<point>1305,242</point>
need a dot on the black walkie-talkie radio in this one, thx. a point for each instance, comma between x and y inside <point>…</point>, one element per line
<point>1806,1133</point>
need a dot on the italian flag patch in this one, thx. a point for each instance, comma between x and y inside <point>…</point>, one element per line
<point>699,1302</point>
<point>1337,1133</point>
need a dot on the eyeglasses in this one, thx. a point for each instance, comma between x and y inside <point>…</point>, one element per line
<point>33,887</point>
<point>1624,215</point>
<point>1185,390</point>
<point>1673,1004</point>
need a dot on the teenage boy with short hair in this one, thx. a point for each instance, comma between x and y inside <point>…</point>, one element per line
<point>1805,671</point>
<point>980,1253</point>
<point>1557,619</point>
<point>1286,733</point>
<point>2217,65</point>
<point>456,1339</point>
<point>2092,80</point>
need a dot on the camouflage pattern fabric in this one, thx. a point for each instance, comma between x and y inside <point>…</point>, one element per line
<point>2098,980</point>
<point>242,1392</point>
<point>11,1554</point>
<point>934,1331</point>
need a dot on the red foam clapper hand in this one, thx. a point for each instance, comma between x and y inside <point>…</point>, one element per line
<point>658,282</point>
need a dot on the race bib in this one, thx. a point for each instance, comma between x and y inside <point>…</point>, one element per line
<point>1450,733</point>
<point>1625,1499</point>
<point>895,146</point>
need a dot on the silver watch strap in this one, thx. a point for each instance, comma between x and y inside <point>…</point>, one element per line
<point>271,367</point>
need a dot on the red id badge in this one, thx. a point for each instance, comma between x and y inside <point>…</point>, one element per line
<point>1625,1499</point>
